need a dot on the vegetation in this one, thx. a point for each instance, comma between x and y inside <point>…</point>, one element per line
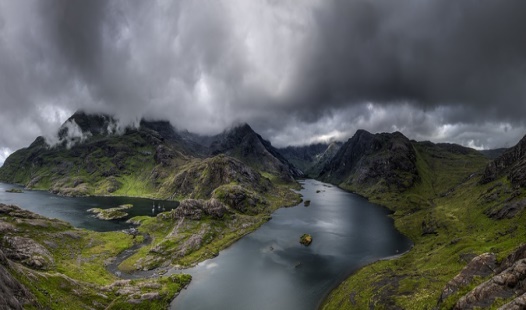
<point>183,241</point>
<point>445,215</point>
<point>306,239</point>
<point>111,213</point>
<point>14,190</point>
<point>74,275</point>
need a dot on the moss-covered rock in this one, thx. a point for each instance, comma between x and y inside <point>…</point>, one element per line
<point>14,190</point>
<point>111,213</point>
<point>306,239</point>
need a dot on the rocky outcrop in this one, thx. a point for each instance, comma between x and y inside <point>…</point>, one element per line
<point>387,161</point>
<point>28,252</point>
<point>13,295</point>
<point>195,209</point>
<point>480,266</point>
<point>201,178</point>
<point>507,281</point>
<point>306,239</point>
<point>240,199</point>
<point>512,163</point>
<point>508,210</point>
<point>111,213</point>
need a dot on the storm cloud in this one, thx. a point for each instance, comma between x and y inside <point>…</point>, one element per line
<point>298,72</point>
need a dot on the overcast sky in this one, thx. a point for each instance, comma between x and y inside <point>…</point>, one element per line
<point>297,71</point>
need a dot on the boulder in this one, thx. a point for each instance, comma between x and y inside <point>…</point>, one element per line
<point>28,252</point>
<point>194,209</point>
<point>481,266</point>
<point>306,239</point>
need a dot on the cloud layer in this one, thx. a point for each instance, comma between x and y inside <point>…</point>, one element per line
<point>298,72</point>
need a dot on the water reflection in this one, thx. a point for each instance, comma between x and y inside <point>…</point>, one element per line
<point>269,269</point>
<point>74,209</point>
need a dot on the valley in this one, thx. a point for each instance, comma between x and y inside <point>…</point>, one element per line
<point>457,205</point>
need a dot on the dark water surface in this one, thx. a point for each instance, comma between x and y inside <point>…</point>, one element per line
<point>74,210</point>
<point>270,269</point>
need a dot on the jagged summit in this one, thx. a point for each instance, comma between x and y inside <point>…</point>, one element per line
<point>93,156</point>
<point>385,160</point>
<point>243,143</point>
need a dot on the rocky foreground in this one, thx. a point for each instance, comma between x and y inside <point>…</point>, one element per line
<point>48,264</point>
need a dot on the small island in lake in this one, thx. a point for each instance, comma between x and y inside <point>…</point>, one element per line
<point>111,213</point>
<point>14,190</point>
<point>306,239</point>
<point>306,203</point>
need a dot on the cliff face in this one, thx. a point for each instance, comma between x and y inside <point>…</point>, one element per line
<point>505,280</point>
<point>512,163</point>
<point>13,295</point>
<point>385,161</point>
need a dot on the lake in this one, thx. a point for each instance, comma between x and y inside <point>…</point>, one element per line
<point>74,209</point>
<point>270,269</point>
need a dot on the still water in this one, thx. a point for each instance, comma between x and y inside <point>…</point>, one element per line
<point>74,210</point>
<point>270,269</point>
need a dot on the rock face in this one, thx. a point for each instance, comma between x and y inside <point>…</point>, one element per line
<point>28,252</point>
<point>382,160</point>
<point>13,295</point>
<point>240,199</point>
<point>246,145</point>
<point>194,209</point>
<point>512,163</point>
<point>508,280</point>
<point>201,178</point>
<point>480,266</point>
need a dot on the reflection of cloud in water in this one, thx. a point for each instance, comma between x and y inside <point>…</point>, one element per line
<point>211,265</point>
<point>271,248</point>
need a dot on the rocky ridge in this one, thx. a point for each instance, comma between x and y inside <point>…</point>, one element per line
<point>385,161</point>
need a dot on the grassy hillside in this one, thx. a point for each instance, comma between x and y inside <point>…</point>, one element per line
<point>64,267</point>
<point>445,215</point>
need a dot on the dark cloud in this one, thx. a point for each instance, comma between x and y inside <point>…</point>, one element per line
<point>431,53</point>
<point>297,72</point>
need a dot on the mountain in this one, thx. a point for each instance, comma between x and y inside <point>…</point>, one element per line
<point>243,143</point>
<point>494,153</point>
<point>311,159</point>
<point>512,164</point>
<point>93,156</point>
<point>465,216</point>
<point>227,185</point>
<point>382,161</point>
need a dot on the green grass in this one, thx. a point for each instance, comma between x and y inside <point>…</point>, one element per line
<point>448,200</point>
<point>78,278</point>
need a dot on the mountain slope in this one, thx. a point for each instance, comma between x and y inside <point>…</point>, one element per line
<point>465,217</point>
<point>243,143</point>
<point>378,162</point>
<point>93,156</point>
<point>311,159</point>
<point>512,164</point>
<point>91,160</point>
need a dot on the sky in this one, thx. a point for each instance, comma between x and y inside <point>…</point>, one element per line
<point>297,71</point>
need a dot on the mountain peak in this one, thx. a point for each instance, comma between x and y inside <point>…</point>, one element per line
<point>373,161</point>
